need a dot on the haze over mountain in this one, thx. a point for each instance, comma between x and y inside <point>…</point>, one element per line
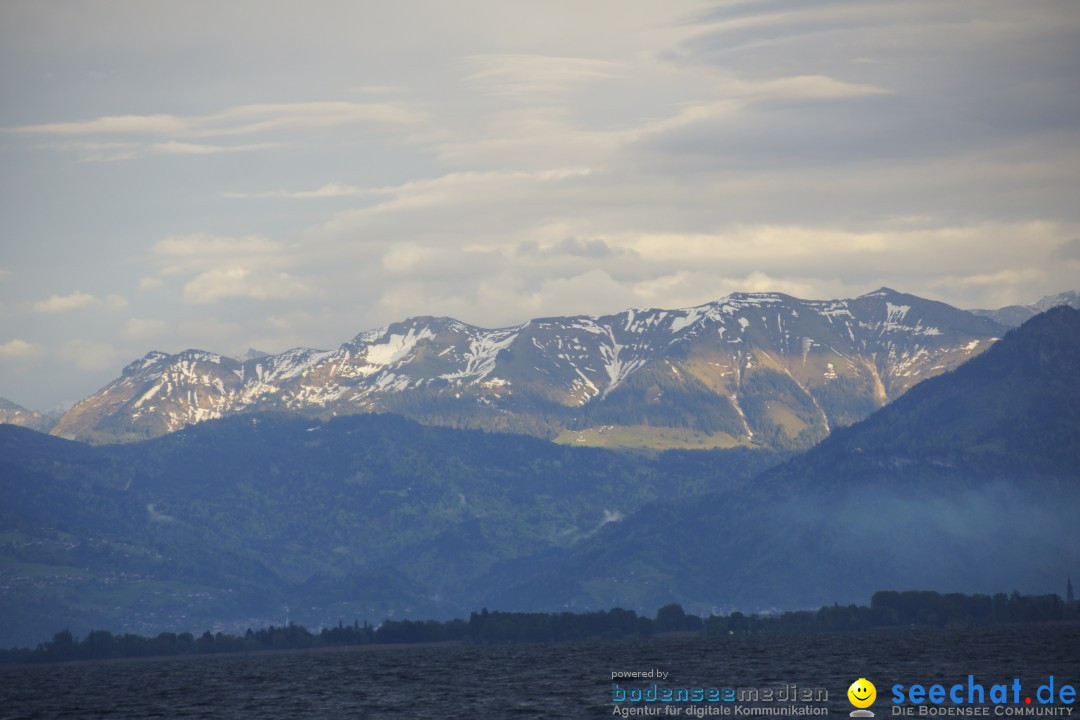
<point>757,368</point>
<point>1014,315</point>
<point>15,414</point>
<point>969,482</point>
<point>235,521</point>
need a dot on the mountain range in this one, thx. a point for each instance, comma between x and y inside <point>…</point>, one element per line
<point>234,521</point>
<point>1014,315</point>
<point>969,482</point>
<point>966,482</point>
<point>762,369</point>
<point>14,414</point>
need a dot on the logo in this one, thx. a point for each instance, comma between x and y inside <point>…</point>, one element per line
<point>862,694</point>
<point>965,700</point>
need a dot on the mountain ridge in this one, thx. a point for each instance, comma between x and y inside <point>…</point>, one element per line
<point>750,368</point>
<point>12,413</point>
<point>235,520</point>
<point>967,483</point>
<point>1015,315</point>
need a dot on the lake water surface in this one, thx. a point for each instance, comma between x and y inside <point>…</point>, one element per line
<point>542,681</point>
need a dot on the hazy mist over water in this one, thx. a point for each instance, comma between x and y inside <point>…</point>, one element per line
<point>532,681</point>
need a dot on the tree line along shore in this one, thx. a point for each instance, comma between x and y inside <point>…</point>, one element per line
<point>886,609</point>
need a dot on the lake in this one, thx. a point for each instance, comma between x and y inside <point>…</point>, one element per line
<point>551,681</point>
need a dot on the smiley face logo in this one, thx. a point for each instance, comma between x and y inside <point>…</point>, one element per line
<point>862,693</point>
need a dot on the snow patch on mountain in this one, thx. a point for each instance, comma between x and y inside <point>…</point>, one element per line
<point>482,353</point>
<point>556,365</point>
<point>397,346</point>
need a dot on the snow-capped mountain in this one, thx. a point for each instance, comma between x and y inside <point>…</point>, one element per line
<point>14,414</point>
<point>1014,315</point>
<point>749,368</point>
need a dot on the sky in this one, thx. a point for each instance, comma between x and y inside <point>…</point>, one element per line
<point>269,174</point>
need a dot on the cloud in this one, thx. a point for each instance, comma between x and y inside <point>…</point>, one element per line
<point>119,151</point>
<point>89,355</point>
<point>502,163</point>
<point>220,267</point>
<point>172,147</point>
<point>738,95</point>
<point>403,257</point>
<point>572,246</point>
<point>202,252</point>
<point>455,192</point>
<point>76,301</point>
<point>209,331</point>
<point>205,245</point>
<point>329,190</point>
<point>238,120</point>
<point>250,119</point>
<point>495,284</point>
<point>64,303</point>
<point>551,134</point>
<point>243,282</point>
<point>19,349</point>
<point>417,191</point>
<point>143,329</point>
<point>112,125</point>
<point>797,87</point>
<point>535,77</point>
<point>1068,250</point>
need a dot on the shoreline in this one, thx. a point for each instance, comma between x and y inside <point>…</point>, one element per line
<point>422,645</point>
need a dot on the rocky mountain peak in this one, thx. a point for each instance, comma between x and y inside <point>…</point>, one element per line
<point>750,368</point>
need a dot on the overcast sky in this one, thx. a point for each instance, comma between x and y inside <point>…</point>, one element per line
<point>226,175</point>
